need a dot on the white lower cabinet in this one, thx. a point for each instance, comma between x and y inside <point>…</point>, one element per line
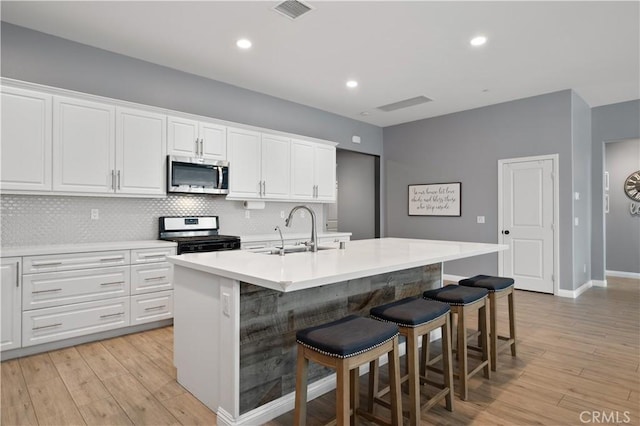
<point>63,288</point>
<point>151,307</point>
<point>10,296</point>
<point>52,297</point>
<point>63,322</point>
<point>151,277</point>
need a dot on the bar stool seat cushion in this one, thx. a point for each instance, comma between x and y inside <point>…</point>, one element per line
<point>347,337</point>
<point>491,283</point>
<point>410,312</point>
<point>456,295</point>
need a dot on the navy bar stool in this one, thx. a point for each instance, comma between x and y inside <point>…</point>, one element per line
<point>344,345</point>
<point>498,287</point>
<point>464,301</point>
<point>415,318</point>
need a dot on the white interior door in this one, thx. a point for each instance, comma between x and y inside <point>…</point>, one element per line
<point>527,224</point>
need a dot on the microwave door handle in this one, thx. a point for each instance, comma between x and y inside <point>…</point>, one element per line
<point>220,177</point>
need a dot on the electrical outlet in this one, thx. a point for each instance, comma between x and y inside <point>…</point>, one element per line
<point>480,219</point>
<point>247,214</point>
<point>576,221</point>
<point>584,268</point>
<point>281,214</point>
<point>226,304</point>
<point>95,214</point>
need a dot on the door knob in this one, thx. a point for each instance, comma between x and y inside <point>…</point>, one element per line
<point>506,232</point>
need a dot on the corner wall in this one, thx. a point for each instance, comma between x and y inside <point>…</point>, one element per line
<point>465,147</point>
<point>608,123</point>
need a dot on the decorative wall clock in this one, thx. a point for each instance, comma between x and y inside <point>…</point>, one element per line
<point>632,186</point>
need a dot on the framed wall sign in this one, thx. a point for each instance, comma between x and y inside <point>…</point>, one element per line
<point>435,199</point>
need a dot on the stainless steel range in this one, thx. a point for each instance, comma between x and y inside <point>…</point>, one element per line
<point>196,234</point>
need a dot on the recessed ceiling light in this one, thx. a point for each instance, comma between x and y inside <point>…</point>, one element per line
<point>243,43</point>
<point>352,83</point>
<point>478,41</point>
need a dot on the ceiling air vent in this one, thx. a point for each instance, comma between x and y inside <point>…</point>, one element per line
<point>405,104</point>
<point>292,9</point>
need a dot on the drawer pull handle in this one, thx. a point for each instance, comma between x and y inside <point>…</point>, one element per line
<point>112,315</point>
<point>113,283</point>
<point>46,291</point>
<point>38,264</point>
<point>47,326</point>
<point>111,259</point>
<point>156,278</point>
<point>155,307</point>
<point>148,255</point>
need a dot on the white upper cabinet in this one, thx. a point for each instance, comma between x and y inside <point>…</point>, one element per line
<point>102,149</point>
<point>276,162</point>
<point>141,141</point>
<point>245,160</point>
<point>25,151</point>
<point>83,146</point>
<point>259,165</point>
<point>191,138</point>
<point>313,171</point>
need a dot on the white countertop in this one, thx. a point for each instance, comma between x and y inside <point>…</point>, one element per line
<point>84,247</point>
<point>362,258</point>
<point>293,236</point>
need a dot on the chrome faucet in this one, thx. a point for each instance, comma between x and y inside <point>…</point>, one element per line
<point>314,236</point>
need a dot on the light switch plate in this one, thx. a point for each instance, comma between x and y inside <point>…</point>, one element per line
<point>480,219</point>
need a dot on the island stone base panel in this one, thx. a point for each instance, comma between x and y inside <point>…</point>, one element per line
<point>269,320</point>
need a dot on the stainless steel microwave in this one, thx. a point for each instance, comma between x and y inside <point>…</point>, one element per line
<point>197,175</point>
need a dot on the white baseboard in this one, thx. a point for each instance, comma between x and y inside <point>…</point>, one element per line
<point>455,278</point>
<point>599,283</point>
<point>572,294</point>
<point>623,274</point>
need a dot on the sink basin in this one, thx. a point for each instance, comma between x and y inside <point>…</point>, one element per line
<point>295,249</point>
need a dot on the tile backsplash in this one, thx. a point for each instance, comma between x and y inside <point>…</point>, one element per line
<point>27,220</point>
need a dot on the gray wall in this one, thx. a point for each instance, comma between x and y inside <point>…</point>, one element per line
<point>622,229</point>
<point>466,147</point>
<point>40,58</point>
<point>581,141</point>
<point>356,194</point>
<point>608,123</point>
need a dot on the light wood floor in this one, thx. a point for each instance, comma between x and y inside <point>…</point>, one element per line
<point>574,356</point>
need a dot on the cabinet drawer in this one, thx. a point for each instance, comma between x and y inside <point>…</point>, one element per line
<point>63,322</point>
<point>63,288</point>
<point>151,255</point>
<point>152,277</point>
<point>151,307</point>
<point>67,262</point>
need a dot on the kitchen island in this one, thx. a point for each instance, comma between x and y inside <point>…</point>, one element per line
<point>236,313</point>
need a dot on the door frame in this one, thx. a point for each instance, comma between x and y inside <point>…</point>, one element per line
<point>555,159</point>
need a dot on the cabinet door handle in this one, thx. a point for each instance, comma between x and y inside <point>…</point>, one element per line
<point>264,187</point>
<point>202,146</point>
<point>152,255</point>
<point>111,259</point>
<point>46,264</point>
<point>17,275</point>
<point>155,278</point>
<point>113,180</point>
<point>53,290</point>
<point>47,326</point>
<point>155,307</point>
<point>197,148</point>
<point>112,315</point>
<point>118,180</point>
<point>112,283</point>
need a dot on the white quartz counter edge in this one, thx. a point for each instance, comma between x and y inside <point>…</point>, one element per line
<point>298,271</point>
<point>84,247</point>
<point>296,236</point>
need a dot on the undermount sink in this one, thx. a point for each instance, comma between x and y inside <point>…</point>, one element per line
<point>296,249</point>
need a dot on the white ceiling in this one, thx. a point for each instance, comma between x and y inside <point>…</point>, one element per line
<point>396,50</point>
